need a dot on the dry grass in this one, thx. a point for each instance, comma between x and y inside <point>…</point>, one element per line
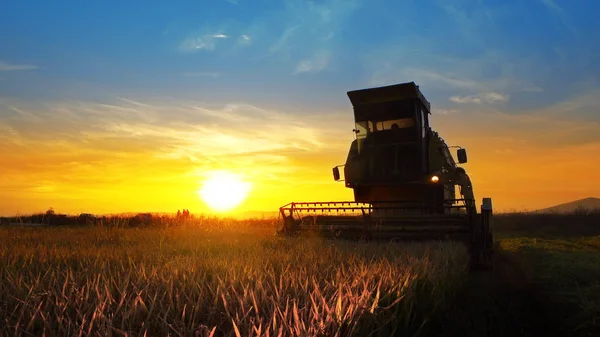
<point>209,280</point>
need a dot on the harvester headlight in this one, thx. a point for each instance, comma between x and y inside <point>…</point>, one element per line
<point>435,179</point>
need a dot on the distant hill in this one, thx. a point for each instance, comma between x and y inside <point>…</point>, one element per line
<point>590,204</point>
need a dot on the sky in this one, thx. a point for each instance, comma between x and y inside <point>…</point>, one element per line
<point>110,107</point>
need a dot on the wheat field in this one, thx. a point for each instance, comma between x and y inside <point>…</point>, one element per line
<point>217,278</point>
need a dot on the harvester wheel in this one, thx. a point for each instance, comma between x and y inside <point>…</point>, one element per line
<point>482,244</point>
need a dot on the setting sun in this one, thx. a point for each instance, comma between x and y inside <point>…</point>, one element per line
<point>223,190</point>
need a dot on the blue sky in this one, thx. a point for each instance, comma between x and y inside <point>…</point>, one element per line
<point>196,82</point>
<point>538,52</point>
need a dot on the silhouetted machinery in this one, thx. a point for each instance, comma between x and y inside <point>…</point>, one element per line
<point>404,178</point>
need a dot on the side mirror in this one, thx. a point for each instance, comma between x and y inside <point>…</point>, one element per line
<point>336,173</point>
<point>462,156</point>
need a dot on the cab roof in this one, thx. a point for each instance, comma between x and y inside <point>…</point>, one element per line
<point>390,93</point>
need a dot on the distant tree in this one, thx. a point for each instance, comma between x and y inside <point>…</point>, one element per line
<point>50,212</point>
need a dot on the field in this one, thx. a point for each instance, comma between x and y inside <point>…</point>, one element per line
<point>211,277</point>
<point>227,279</point>
<point>559,255</point>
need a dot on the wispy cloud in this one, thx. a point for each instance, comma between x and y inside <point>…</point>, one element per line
<point>20,113</point>
<point>533,88</point>
<point>574,109</point>
<point>562,15</point>
<point>244,39</point>
<point>204,41</point>
<point>468,18</point>
<point>196,43</point>
<point>563,124</point>
<point>491,78</point>
<point>488,97</point>
<point>6,66</point>
<point>202,74</point>
<point>282,41</point>
<point>201,133</point>
<point>478,60</point>
<point>214,37</point>
<point>430,76</point>
<point>444,72</point>
<point>316,63</point>
<point>308,27</point>
<point>552,5</point>
<point>445,111</point>
<point>467,99</point>
<point>294,35</point>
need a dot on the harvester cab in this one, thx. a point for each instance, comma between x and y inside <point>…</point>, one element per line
<point>405,181</point>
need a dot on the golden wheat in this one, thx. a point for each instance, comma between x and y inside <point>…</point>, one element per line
<point>216,280</point>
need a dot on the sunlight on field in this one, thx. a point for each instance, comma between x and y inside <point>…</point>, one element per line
<point>229,280</point>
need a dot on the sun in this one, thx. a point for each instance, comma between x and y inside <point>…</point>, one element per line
<point>223,190</point>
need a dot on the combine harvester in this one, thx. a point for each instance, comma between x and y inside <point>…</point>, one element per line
<point>404,178</point>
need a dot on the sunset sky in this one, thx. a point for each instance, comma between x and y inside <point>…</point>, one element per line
<point>113,106</point>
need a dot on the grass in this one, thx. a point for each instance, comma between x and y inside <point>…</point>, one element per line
<point>217,279</point>
<point>567,272</point>
<point>560,254</point>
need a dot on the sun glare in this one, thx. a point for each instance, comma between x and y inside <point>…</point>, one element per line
<point>223,190</point>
